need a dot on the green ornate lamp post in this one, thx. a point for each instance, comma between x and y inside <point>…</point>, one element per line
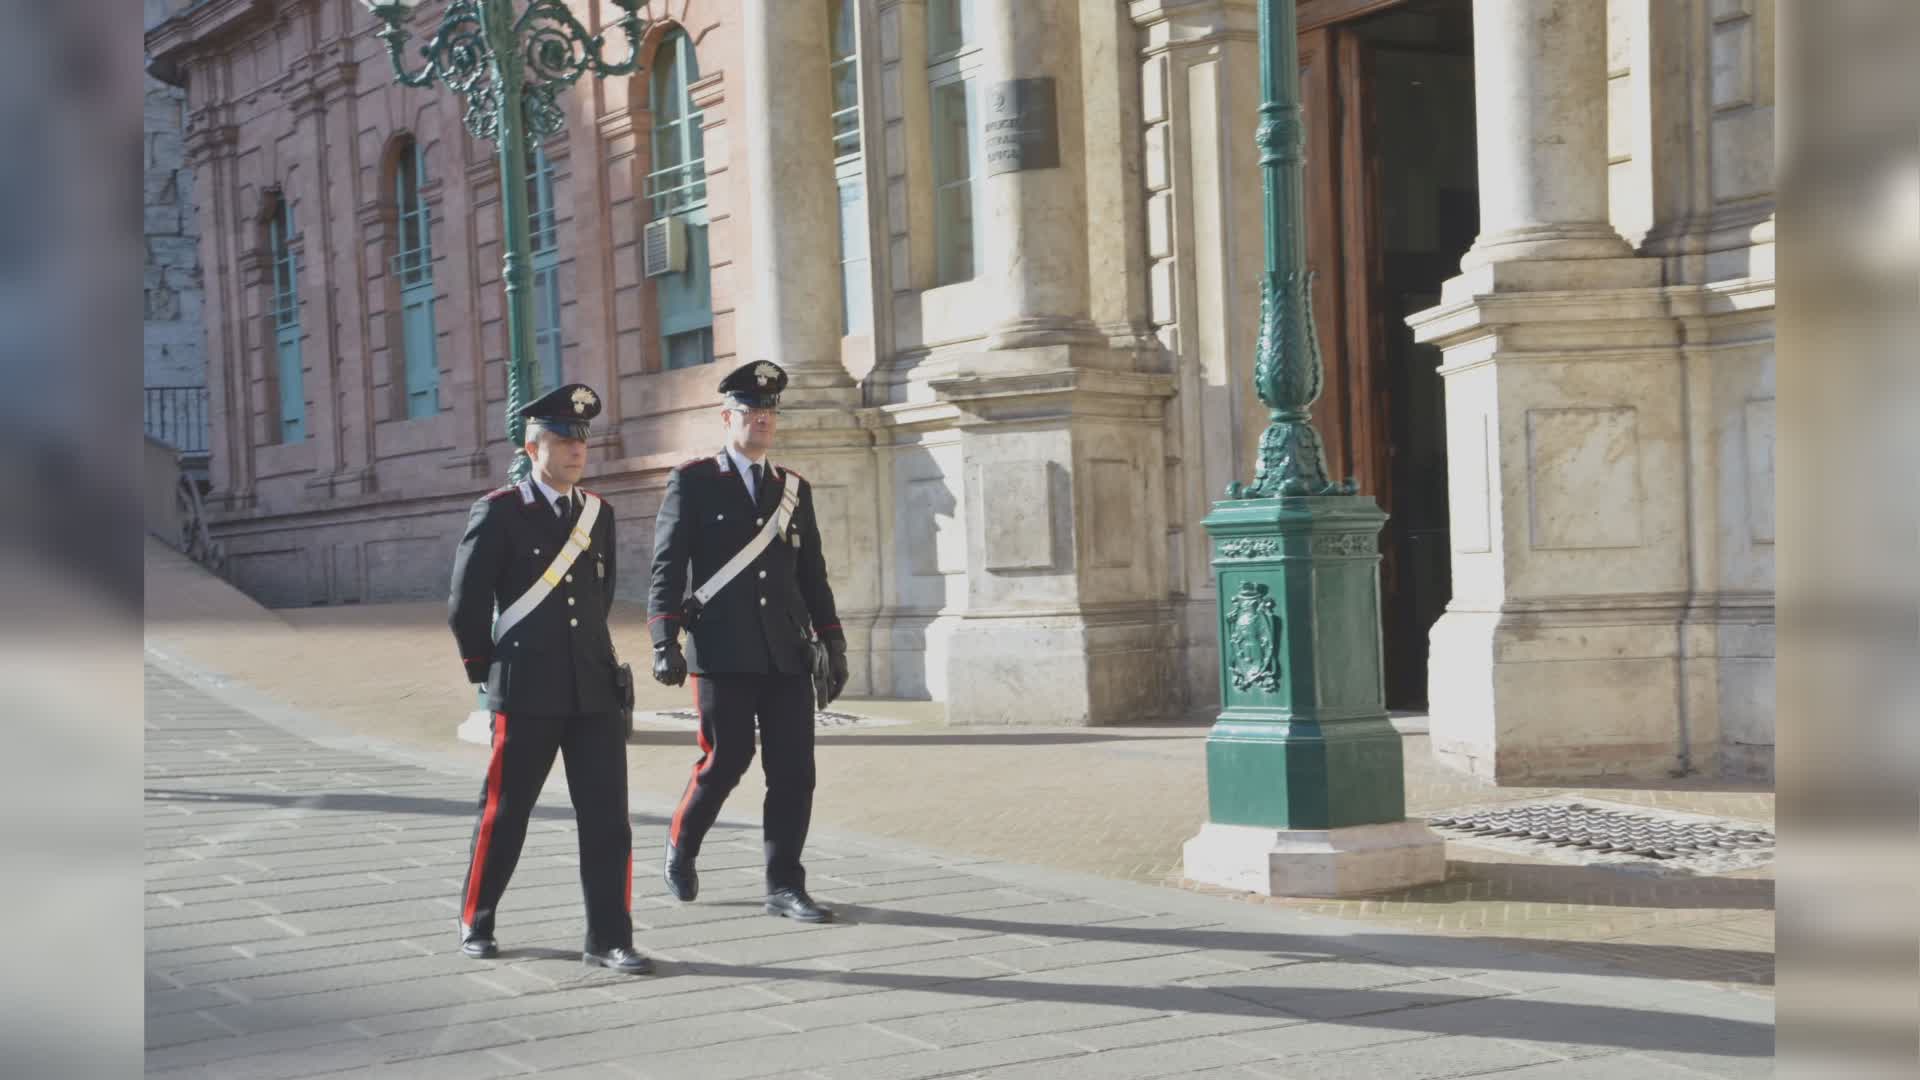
<point>510,60</point>
<point>1304,770</point>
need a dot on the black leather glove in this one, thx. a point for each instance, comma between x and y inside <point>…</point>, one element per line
<point>837,665</point>
<point>669,664</point>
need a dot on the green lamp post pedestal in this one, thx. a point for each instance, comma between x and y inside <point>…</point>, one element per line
<point>1304,770</point>
<point>1305,790</point>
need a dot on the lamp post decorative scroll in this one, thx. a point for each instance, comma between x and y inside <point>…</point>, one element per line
<point>1287,370</point>
<point>510,62</point>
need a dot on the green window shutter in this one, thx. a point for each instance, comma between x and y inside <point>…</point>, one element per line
<point>423,366</point>
<point>286,326</point>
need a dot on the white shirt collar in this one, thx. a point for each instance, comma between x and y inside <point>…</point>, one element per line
<point>552,494</point>
<point>741,462</point>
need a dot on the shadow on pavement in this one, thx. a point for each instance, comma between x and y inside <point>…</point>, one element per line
<point>1438,1013</point>
<point>366,803</point>
<point>1487,953</point>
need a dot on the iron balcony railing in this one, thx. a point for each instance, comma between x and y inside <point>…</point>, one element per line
<point>177,416</point>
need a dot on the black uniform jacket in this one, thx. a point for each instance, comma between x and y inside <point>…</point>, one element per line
<point>562,648</point>
<point>758,623</point>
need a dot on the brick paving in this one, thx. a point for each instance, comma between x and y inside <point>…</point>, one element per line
<point>301,885</point>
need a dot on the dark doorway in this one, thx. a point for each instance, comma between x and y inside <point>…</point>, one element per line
<point>1394,202</point>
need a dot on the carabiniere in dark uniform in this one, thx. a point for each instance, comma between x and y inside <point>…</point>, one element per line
<point>552,680</point>
<point>752,651</point>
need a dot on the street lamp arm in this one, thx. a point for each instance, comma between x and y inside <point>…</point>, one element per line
<point>454,55</point>
<point>558,49</point>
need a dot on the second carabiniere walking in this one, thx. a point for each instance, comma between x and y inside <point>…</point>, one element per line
<point>765,643</point>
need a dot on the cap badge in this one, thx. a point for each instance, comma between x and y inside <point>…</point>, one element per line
<point>583,400</point>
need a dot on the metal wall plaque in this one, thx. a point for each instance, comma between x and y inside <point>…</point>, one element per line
<point>1022,126</point>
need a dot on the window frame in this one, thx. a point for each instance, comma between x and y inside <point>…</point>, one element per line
<point>962,66</point>
<point>283,313</point>
<point>543,270</point>
<point>680,187</point>
<point>412,269</point>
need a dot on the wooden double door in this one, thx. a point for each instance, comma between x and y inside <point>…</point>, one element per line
<point>1392,204</point>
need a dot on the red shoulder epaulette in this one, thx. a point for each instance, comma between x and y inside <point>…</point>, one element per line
<point>691,462</point>
<point>791,471</point>
<point>498,492</point>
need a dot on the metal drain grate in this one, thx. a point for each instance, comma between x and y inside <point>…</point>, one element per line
<point>1597,829</point>
<point>820,718</point>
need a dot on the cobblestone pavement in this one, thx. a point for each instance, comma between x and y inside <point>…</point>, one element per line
<point>301,886</point>
<point>1114,802</point>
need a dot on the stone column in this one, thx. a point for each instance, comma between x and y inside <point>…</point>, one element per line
<point>791,306</point>
<point>792,204</point>
<point>1540,96</point>
<point>1035,175</point>
<point>1560,654</point>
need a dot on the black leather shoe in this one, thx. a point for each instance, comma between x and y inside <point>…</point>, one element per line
<point>682,880</point>
<point>622,959</point>
<point>479,946</point>
<point>796,904</point>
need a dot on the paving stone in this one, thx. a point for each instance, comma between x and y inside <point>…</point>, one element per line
<point>356,1003</point>
<point>344,1054</point>
<point>182,1028</point>
<point>285,1042</point>
<point>1135,1062</point>
<point>1424,1059</point>
<point>774,1054</point>
<point>959,1060</point>
<point>692,1045</point>
<point>1197,1021</point>
<point>1617,1067</point>
<point>1014,1020</point>
<point>193,999</point>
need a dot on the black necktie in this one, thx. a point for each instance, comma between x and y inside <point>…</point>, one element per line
<point>755,468</point>
<point>563,505</point>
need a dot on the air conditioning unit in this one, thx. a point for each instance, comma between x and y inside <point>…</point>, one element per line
<point>664,246</point>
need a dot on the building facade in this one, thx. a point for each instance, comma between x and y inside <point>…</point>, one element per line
<point>175,362</point>
<point>1009,252</point>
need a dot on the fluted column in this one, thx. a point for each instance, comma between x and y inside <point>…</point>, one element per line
<point>793,203</point>
<point>1540,103</point>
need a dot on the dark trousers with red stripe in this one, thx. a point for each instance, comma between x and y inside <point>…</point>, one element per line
<point>730,706</point>
<point>594,748</point>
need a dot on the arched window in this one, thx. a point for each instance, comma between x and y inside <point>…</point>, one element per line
<point>285,315</point>
<point>677,189</point>
<point>849,169</point>
<point>544,229</point>
<point>413,268</point>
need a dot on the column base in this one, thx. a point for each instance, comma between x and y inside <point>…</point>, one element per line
<point>1551,696</point>
<point>1586,240</point>
<point>1061,670</point>
<point>1350,861</point>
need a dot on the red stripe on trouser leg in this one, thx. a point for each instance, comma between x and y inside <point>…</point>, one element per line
<point>487,816</point>
<point>699,767</point>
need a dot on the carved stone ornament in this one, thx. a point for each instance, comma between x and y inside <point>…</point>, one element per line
<point>1253,639</point>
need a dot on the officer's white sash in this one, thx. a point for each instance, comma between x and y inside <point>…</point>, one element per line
<point>789,500</point>
<point>580,540</point>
